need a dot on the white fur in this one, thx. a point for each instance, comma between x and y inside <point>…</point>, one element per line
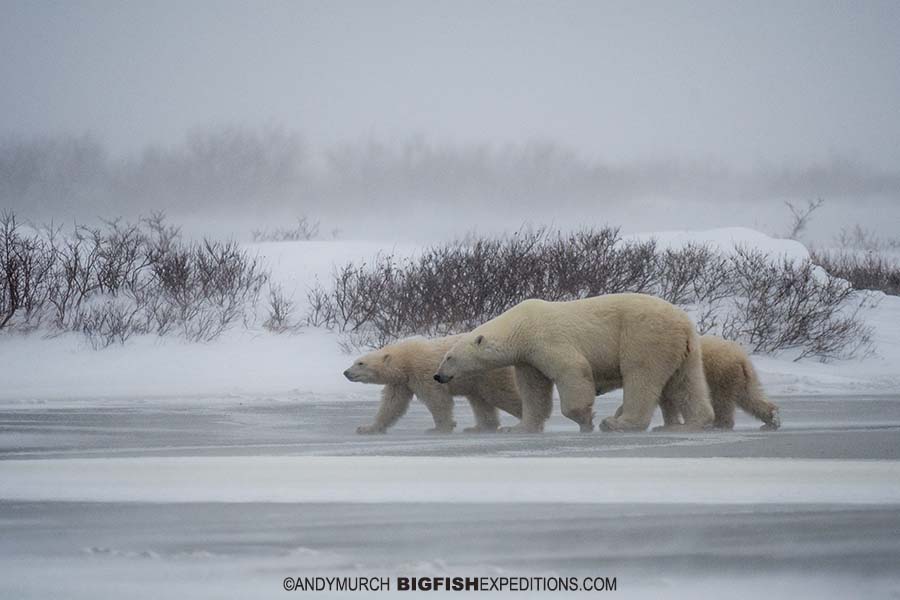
<point>407,368</point>
<point>638,342</point>
<point>732,382</point>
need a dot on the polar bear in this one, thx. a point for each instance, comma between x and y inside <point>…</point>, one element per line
<point>406,368</point>
<point>635,341</point>
<point>732,381</point>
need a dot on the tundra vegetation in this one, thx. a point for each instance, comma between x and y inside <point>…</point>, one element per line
<point>769,304</point>
<point>119,279</point>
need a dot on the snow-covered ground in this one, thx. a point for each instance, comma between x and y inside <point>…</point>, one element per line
<point>36,368</point>
<point>163,468</point>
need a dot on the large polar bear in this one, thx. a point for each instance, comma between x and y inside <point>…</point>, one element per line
<point>732,382</point>
<point>643,343</point>
<point>407,368</point>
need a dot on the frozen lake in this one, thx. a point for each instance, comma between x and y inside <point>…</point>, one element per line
<point>224,498</point>
<point>820,427</point>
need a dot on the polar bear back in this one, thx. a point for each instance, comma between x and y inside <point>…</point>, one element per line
<point>613,332</point>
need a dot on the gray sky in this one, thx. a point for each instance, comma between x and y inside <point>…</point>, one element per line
<point>744,83</point>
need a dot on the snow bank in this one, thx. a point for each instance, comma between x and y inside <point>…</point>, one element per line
<point>311,362</point>
<point>241,362</point>
<point>456,479</point>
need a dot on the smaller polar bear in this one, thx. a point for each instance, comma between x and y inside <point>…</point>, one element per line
<point>732,381</point>
<point>406,368</point>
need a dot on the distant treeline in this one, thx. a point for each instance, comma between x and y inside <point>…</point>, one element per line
<point>247,171</point>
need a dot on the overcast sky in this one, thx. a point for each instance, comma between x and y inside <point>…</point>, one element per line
<point>783,82</point>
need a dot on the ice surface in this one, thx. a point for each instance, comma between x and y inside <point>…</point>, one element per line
<point>243,551</point>
<point>451,479</point>
<point>822,427</point>
<point>222,498</point>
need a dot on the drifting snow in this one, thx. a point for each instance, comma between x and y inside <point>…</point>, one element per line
<point>452,479</point>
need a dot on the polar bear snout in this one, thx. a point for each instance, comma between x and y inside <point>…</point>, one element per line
<point>442,378</point>
<point>358,374</point>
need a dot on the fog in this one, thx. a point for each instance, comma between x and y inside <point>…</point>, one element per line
<point>425,119</point>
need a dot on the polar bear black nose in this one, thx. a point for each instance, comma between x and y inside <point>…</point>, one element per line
<point>437,378</point>
<point>347,373</point>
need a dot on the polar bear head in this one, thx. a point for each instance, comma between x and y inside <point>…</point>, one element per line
<point>474,352</point>
<point>379,367</point>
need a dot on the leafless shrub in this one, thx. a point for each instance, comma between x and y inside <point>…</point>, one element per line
<point>321,311</point>
<point>280,309</point>
<point>800,216</point>
<point>707,318</point>
<point>769,305</point>
<point>111,321</point>
<point>870,270</point>
<point>456,286</point>
<point>26,262</point>
<point>860,238</point>
<point>793,305</point>
<point>208,286</point>
<point>71,279</point>
<point>679,271</point>
<point>112,281</point>
<point>302,231</point>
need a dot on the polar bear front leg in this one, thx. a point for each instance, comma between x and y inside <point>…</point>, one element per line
<point>576,396</point>
<point>537,400</point>
<point>439,403</point>
<point>395,400</point>
<point>486,418</point>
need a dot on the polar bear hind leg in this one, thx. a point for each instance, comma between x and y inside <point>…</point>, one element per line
<point>670,413</point>
<point>752,399</point>
<point>688,389</point>
<point>641,395</point>
<point>440,405</point>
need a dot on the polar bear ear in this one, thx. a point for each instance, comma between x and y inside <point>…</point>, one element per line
<point>478,340</point>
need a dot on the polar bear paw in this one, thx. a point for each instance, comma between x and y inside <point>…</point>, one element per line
<point>521,428</point>
<point>441,429</point>
<point>614,424</point>
<point>370,429</point>
<point>773,423</point>
<point>480,429</point>
<point>691,428</point>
